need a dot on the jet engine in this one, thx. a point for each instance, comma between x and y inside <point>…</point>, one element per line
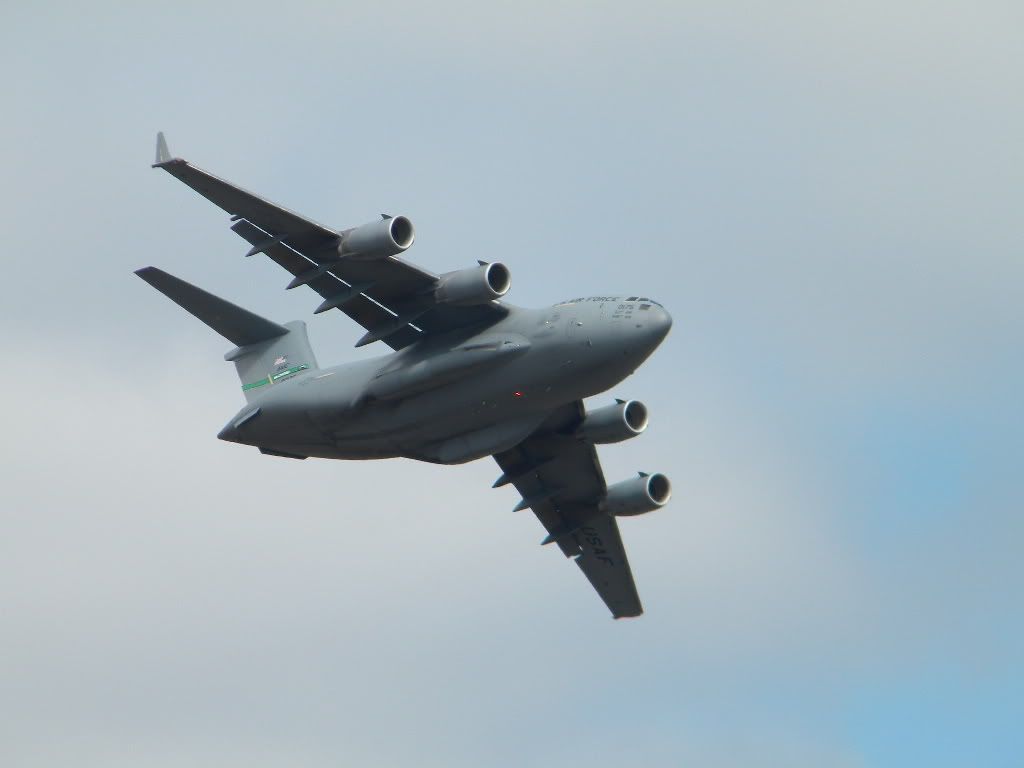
<point>476,285</point>
<point>378,239</point>
<point>614,423</point>
<point>641,494</point>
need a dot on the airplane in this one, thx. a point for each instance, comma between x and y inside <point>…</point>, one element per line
<point>469,375</point>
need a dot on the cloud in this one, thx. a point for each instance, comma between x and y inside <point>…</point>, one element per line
<point>823,200</point>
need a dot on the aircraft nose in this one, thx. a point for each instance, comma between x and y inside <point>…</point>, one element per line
<point>659,323</point>
<point>665,319</point>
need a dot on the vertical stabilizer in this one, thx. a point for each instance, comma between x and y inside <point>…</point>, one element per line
<point>266,364</point>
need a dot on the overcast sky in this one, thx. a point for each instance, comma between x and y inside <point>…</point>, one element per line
<point>827,197</point>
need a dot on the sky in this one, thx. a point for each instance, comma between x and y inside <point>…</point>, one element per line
<point>827,199</point>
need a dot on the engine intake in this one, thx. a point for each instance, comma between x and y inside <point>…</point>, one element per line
<point>614,423</point>
<point>378,239</point>
<point>638,495</point>
<point>476,285</point>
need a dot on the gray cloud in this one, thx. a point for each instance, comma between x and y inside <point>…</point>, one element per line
<point>825,201</point>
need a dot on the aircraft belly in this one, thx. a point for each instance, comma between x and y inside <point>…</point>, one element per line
<point>477,416</point>
<point>447,405</point>
<point>408,377</point>
<point>491,439</point>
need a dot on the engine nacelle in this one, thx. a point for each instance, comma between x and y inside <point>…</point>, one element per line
<point>477,285</point>
<point>378,239</point>
<point>641,494</point>
<point>614,423</point>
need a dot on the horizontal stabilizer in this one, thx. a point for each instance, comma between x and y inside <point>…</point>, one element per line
<point>237,325</point>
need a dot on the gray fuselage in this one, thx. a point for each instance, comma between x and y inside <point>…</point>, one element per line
<point>458,396</point>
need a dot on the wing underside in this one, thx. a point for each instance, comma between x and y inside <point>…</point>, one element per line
<point>560,478</point>
<point>391,298</point>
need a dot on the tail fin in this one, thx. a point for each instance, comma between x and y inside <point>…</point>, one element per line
<point>265,354</point>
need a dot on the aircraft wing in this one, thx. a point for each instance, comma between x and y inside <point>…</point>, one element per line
<point>560,478</point>
<point>391,298</point>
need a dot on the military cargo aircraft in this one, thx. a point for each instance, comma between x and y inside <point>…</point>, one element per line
<point>469,375</point>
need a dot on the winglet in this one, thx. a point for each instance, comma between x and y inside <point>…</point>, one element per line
<point>163,155</point>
